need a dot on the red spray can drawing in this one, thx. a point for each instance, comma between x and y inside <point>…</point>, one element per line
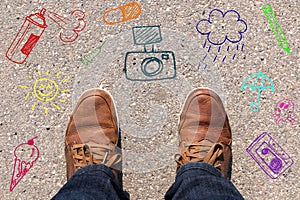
<point>27,37</point>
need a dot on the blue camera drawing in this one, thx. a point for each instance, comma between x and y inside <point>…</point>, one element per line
<point>149,65</point>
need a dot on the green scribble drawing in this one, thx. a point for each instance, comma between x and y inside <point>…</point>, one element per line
<point>257,81</point>
<point>277,30</point>
<point>90,57</point>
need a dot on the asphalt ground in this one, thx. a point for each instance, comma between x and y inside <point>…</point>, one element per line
<point>148,111</point>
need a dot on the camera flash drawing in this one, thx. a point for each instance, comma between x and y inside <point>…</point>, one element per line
<point>220,28</point>
<point>46,91</point>
<point>276,28</point>
<point>259,82</point>
<point>25,155</point>
<point>284,111</point>
<point>149,65</point>
<point>269,155</point>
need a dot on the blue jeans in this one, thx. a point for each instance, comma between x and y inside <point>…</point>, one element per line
<point>193,181</point>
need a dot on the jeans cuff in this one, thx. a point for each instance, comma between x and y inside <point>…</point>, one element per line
<point>96,168</point>
<point>199,166</point>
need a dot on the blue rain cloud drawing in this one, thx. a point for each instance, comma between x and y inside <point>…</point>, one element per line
<point>229,23</point>
<point>220,27</point>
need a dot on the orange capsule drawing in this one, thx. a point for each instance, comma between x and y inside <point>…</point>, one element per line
<point>129,11</point>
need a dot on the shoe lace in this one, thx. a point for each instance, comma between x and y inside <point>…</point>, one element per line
<point>203,151</point>
<point>84,155</point>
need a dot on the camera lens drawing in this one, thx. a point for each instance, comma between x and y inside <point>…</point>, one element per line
<point>219,28</point>
<point>46,90</point>
<point>149,65</point>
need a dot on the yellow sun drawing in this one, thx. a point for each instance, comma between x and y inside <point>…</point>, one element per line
<point>46,90</point>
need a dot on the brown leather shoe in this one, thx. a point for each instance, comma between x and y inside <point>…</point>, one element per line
<point>92,133</point>
<point>204,132</point>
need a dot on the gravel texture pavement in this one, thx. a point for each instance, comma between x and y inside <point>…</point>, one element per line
<point>38,96</point>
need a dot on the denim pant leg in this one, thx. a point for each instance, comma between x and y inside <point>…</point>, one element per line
<point>92,182</point>
<point>198,180</point>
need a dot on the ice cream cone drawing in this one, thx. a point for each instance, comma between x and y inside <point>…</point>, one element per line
<point>25,155</point>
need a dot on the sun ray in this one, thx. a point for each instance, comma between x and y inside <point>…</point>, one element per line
<point>24,86</point>
<point>62,100</point>
<point>27,95</point>
<point>33,106</point>
<point>56,106</point>
<point>65,91</point>
<point>67,79</point>
<point>39,73</point>
<point>48,72</point>
<point>46,110</point>
<point>58,74</point>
